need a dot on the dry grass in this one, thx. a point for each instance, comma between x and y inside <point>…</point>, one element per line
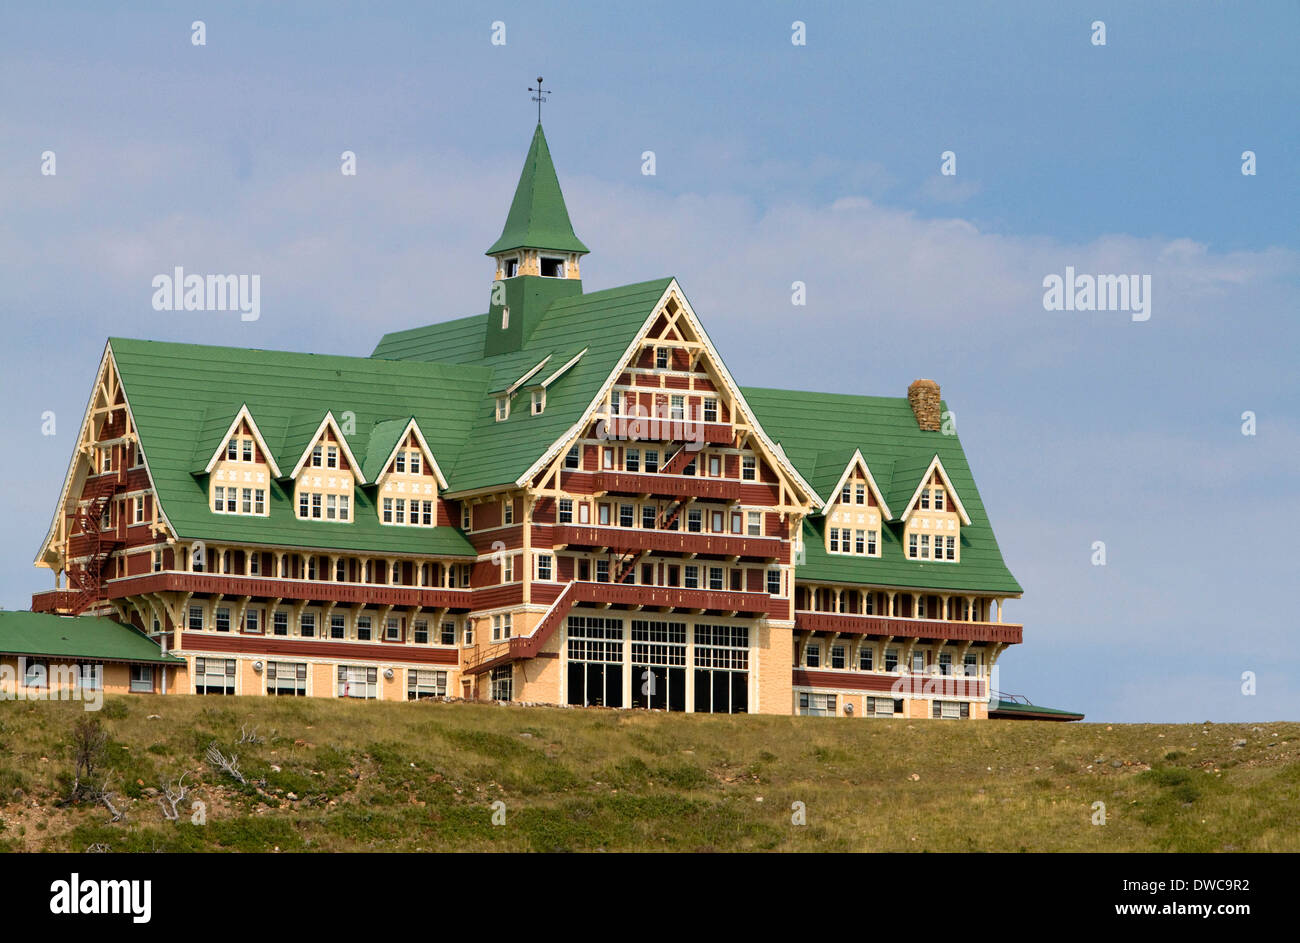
<point>405,777</point>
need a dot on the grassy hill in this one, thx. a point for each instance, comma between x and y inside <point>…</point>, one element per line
<point>336,776</point>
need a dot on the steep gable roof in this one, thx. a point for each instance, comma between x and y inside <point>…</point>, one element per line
<point>811,426</point>
<point>538,218</point>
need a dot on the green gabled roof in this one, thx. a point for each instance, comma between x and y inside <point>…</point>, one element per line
<point>174,388</point>
<point>90,637</point>
<point>1015,709</point>
<point>383,439</point>
<point>459,341</point>
<point>538,218</point>
<point>814,428</point>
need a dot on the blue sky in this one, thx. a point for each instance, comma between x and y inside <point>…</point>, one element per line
<point>775,163</point>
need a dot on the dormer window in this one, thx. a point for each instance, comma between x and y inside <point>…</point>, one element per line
<point>503,408</point>
<point>510,267</point>
<point>317,456</point>
<point>552,267</point>
<point>538,401</point>
<point>505,317</point>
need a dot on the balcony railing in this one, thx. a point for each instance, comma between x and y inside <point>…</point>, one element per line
<point>623,594</point>
<point>851,624</point>
<point>670,541</point>
<point>321,590</point>
<point>678,486</point>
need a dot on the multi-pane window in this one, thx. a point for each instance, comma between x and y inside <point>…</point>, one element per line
<point>507,512</point>
<point>860,492</point>
<point>501,627</point>
<point>949,710</point>
<point>565,511</point>
<point>214,676</point>
<point>652,460</point>
<point>837,656</point>
<point>661,358</point>
<point>715,578</point>
<point>393,629</point>
<point>913,549</point>
<point>626,515</point>
<point>891,659</point>
<point>632,460</point>
<point>338,627</point>
<point>748,468</point>
<point>196,619</point>
<point>544,566</point>
<point>503,683</point>
<point>710,409</point>
<point>813,656</point>
<point>817,705</point>
<point>358,681</point>
<point>950,548</point>
<point>572,458</point>
<point>945,663</point>
<point>774,582</point>
<point>971,664</point>
<point>755,523</point>
<point>363,628</point>
<point>280,623</point>
<point>883,707</point>
<point>695,520</point>
<point>691,577</point>
<point>141,679</point>
<point>285,677</point>
<point>223,619</point>
<point>425,682</point>
<point>865,654</point>
<point>307,625</point>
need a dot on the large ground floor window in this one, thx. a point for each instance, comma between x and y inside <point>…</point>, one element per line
<point>595,650</point>
<point>659,665</point>
<point>721,669</point>
<point>503,683</point>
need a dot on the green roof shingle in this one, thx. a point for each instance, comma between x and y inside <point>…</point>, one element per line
<point>89,637</point>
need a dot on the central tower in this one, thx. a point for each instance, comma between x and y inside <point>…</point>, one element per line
<point>536,255</point>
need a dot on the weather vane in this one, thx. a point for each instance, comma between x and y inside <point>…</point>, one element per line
<point>539,97</point>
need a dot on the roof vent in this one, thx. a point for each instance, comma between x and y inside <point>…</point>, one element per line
<point>923,397</point>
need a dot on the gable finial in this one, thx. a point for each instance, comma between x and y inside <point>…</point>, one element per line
<point>539,97</point>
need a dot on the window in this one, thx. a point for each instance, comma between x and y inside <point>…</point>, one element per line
<point>945,663</point>
<point>838,656</point>
<point>691,578</point>
<point>677,406</point>
<point>280,623</point>
<point>552,268</point>
<point>232,449</point>
<point>817,705</point>
<point>950,548</point>
<point>715,466</point>
<point>865,654</point>
<point>338,627</point>
<point>938,499</point>
<point>835,540</point>
<point>358,681</point>
<point>141,679</point>
<point>566,511</point>
<point>748,468</point>
<point>949,710</point>
<point>508,569</point>
<point>393,629</point>
<point>860,493</point>
<point>469,632</point>
<point>871,543</point>
<point>246,449</point>
<point>859,541</point>
<point>715,578</point>
<point>503,683</point>
<point>510,267</point>
<point>572,459</point>
<point>508,511</point>
<point>652,460</point>
<point>503,408</point>
<point>316,506</point>
<point>774,582</point>
<point>464,517</point>
<point>925,499</point>
<point>307,625</point>
<point>332,457</point>
<point>755,524</point>
<point>912,550</point>
<point>138,516</point>
<point>694,521</point>
<point>883,707</point>
<point>602,571</point>
<point>425,682</point>
<point>971,664</point>
<point>196,619</point>
<point>414,460</point>
<point>918,662</point>
<point>925,546</point>
<point>710,409</point>
<point>214,676</point>
<point>317,453</point>
<point>544,566</point>
<point>891,659</point>
<point>501,627</point>
<point>632,460</point>
<point>626,515</point>
<point>648,517</point>
<point>223,619</point>
<point>157,561</point>
<point>538,401</point>
<point>106,459</point>
<point>363,628</point>
<point>607,459</point>
<point>845,492</point>
<point>661,358</point>
<point>813,656</point>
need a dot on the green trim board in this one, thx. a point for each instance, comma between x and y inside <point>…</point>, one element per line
<point>93,638</point>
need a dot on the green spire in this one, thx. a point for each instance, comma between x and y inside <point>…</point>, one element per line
<point>538,218</point>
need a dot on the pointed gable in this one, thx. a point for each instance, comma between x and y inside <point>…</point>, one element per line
<point>243,420</point>
<point>932,469</point>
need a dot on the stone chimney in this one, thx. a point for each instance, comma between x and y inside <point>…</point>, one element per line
<point>923,397</point>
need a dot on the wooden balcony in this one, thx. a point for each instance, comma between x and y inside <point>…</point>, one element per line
<point>667,541</point>
<point>677,486</point>
<point>430,597</point>
<point>672,597</point>
<point>1009,632</point>
<point>53,600</point>
<point>893,683</point>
